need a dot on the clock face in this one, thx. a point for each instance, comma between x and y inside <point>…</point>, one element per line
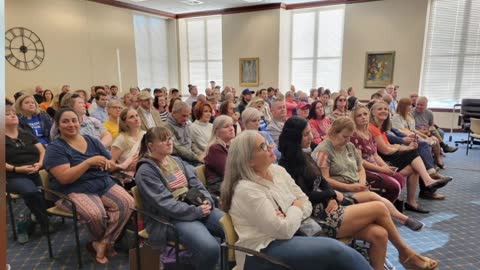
<point>23,48</point>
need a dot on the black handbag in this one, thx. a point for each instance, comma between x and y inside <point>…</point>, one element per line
<point>194,197</point>
<point>309,227</point>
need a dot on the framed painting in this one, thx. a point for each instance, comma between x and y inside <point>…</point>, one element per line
<point>249,71</point>
<point>379,69</point>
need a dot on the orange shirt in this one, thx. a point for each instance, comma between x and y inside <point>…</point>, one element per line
<point>377,132</point>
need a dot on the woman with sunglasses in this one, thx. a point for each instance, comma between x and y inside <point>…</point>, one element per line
<point>339,108</point>
<point>22,164</point>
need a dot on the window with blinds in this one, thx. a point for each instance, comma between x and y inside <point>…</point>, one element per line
<point>151,51</point>
<point>317,44</point>
<point>451,65</point>
<point>205,51</point>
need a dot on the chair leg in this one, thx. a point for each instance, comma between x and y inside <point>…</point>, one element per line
<point>77,240</point>
<point>468,142</point>
<point>177,250</point>
<point>50,252</point>
<point>12,217</point>
<point>137,245</point>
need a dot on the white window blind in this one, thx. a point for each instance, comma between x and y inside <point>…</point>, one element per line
<point>205,51</point>
<point>451,66</point>
<point>151,51</point>
<point>317,44</point>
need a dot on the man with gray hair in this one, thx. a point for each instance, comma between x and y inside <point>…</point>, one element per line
<point>279,116</point>
<point>425,124</point>
<point>178,123</point>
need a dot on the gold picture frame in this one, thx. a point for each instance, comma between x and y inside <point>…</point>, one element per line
<point>249,71</point>
<point>379,68</point>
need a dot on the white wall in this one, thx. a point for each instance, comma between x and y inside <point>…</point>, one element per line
<point>389,25</point>
<point>251,34</point>
<point>80,40</point>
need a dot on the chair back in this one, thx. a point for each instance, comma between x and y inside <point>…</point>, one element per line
<point>46,184</point>
<point>231,236</point>
<point>200,172</point>
<point>475,125</point>
<point>138,201</point>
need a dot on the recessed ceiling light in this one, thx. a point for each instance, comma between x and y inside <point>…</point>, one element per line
<point>139,0</point>
<point>253,1</point>
<point>192,2</point>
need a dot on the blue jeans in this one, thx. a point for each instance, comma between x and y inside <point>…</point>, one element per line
<point>198,236</point>
<point>425,152</point>
<point>27,187</point>
<point>310,253</point>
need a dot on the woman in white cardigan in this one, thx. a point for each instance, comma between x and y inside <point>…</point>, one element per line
<point>201,129</point>
<point>267,208</point>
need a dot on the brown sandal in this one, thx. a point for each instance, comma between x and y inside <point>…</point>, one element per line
<point>427,263</point>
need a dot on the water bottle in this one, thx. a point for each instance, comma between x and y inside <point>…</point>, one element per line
<point>22,229</point>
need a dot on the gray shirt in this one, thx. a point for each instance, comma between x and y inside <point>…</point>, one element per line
<point>423,120</point>
<point>275,129</point>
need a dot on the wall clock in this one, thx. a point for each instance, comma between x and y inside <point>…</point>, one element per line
<point>23,48</point>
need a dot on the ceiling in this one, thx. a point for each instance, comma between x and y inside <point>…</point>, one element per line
<point>178,7</point>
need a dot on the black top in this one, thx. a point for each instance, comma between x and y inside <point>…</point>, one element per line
<point>21,151</point>
<point>306,178</point>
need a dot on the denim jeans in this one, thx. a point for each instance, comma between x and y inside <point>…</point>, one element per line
<point>425,152</point>
<point>309,253</point>
<point>198,236</point>
<point>27,187</point>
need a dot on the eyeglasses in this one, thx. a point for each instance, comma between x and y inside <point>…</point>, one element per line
<point>116,107</point>
<point>265,146</point>
<point>342,99</point>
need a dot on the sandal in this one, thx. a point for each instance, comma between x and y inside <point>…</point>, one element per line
<point>441,165</point>
<point>100,260</point>
<point>427,263</point>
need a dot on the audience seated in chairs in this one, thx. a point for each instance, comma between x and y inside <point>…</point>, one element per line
<point>32,120</point>
<point>369,221</point>
<point>425,124</point>
<point>163,181</point>
<point>251,118</point>
<point>148,115</point>
<point>217,152</point>
<point>47,100</point>
<point>228,108</point>
<point>405,123</point>
<point>79,165</point>
<point>341,166</point>
<point>318,121</point>
<point>126,146</point>
<point>114,108</point>
<point>267,208</point>
<point>279,116</point>
<point>201,128</point>
<point>22,163</point>
<point>340,108</point>
<point>406,158</point>
<point>88,125</point>
<point>379,174</point>
<point>179,125</point>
